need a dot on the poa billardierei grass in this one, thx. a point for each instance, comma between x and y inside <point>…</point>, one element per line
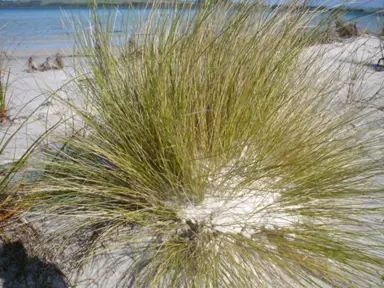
<point>210,150</point>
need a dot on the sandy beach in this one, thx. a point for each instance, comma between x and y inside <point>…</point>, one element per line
<point>34,106</point>
<point>32,102</point>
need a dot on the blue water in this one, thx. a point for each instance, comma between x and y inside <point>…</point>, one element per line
<point>43,28</point>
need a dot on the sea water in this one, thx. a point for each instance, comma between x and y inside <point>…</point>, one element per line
<point>50,28</point>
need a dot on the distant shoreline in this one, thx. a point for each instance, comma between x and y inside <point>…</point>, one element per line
<point>38,4</point>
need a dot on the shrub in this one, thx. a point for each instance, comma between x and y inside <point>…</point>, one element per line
<point>216,157</point>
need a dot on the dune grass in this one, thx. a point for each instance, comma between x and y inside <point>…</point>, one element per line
<point>346,30</point>
<point>382,30</point>
<point>5,199</point>
<point>211,151</point>
<point>4,78</point>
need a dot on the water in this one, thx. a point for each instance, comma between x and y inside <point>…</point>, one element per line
<point>49,28</point>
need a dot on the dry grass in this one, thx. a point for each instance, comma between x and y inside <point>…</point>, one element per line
<point>4,78</point>
<point>382,30</point>
<point>59,62</point>
<point>345,29</point>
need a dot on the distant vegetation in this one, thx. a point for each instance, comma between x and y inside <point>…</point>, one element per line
<point>78,3</point>
<point>144,3</point>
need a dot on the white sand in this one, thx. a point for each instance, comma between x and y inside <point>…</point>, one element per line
<point>32,103</point>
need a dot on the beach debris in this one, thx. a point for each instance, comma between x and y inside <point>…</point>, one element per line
<point>379,66</point>
<point>31,65</point>
<point>346,30</point>
<point>47,65</point>
<point>59,62</point>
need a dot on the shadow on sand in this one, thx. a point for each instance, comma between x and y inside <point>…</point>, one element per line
<point>18,270</point>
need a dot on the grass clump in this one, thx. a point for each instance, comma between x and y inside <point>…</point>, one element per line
<point>215,157</point>
<point>59,62</point>
<point>4,78</point>
<point>345,29</point>
<point>382,31</point>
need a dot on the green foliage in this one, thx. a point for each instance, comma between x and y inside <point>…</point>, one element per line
<point>213,109</point>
